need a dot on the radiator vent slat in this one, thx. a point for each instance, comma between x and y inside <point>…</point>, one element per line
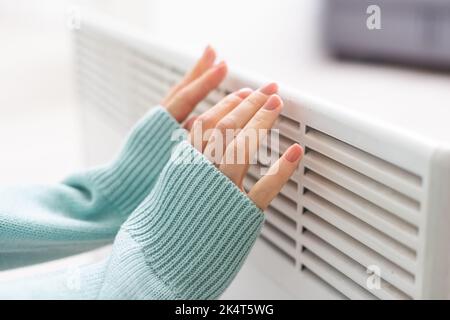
<point>285,205</point>
<point>364,186</point>
<point>278,253</point>
<point>137,105</point>
<point>112,104</point>
<point>348,267</point>
<point>335,278</point>
<point>148,82</point>
<point>362,209</point>
<point>384,172</point>
<point>283,222</point>
<point>395,275</point>
<point>97,103</point>
<point>288,127</point>
<point>139,85</point>
<point>284,142</point>
<point>102,78</point>
<point>158,72</point>
<point>113,89</point>
<point>279,239</point>
<point>361,231</point>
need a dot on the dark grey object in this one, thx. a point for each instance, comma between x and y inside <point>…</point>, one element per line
<point>412,31</point>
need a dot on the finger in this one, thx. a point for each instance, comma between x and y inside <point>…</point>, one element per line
<point>245,146</point>
<point>267,188</point>
<point>239,116</point>
<point>209,119</point>
<point>189,123</point>
<point>203,64</point>
<point>187,98</point>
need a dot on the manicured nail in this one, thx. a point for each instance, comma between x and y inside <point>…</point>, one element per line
<point>294,152</point>
<point>221,65</point>
<point>209,55</point>
<point>244,93</point>
<point>273,102</point>
<point>269,89</point>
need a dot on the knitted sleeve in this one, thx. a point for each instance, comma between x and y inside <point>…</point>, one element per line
<point>40,223</point>
<point>186,240</point>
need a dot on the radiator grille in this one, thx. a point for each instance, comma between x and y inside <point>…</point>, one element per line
<point>362,211</point>
<point>343,211</point>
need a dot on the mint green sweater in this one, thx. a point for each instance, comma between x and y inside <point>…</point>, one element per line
<point>181,229</point>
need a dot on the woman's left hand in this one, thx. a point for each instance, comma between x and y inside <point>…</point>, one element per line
<point>204,77</point>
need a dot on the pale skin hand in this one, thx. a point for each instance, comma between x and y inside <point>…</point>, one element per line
<point>244,109</point>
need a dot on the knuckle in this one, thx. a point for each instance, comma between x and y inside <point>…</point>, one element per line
<point>225,123</point>
<point>259,120</point>
<point>204,120</point>
<point>232,99</point>
<point>257,98</point>
<point>227,100</point>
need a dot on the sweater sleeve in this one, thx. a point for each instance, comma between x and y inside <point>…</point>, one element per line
<point>186,240</point>
<point>41,223</point>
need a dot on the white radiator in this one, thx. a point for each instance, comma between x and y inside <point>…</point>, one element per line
<point>366,196</point>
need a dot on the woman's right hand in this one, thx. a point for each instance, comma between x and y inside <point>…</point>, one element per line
<point>245,110</point>
<point>247,115</point>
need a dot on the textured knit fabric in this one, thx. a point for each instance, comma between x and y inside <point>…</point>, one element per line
<point>40,223</point>
<point>189,231</point>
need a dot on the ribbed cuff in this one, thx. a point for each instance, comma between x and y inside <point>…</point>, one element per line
<point>196,227</point>
<point>129,178</point>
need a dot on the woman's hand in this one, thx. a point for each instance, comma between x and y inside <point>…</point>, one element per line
<point>204,77</point>
<point>246,115</point>
<point>242,113</point>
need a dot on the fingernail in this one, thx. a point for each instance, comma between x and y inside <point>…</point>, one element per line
<point>221,65</point>
<point>209,54</point>
<point>269,89</point>
<point>244,93</point>
<point>294,152</point>
<point>273,103</point>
